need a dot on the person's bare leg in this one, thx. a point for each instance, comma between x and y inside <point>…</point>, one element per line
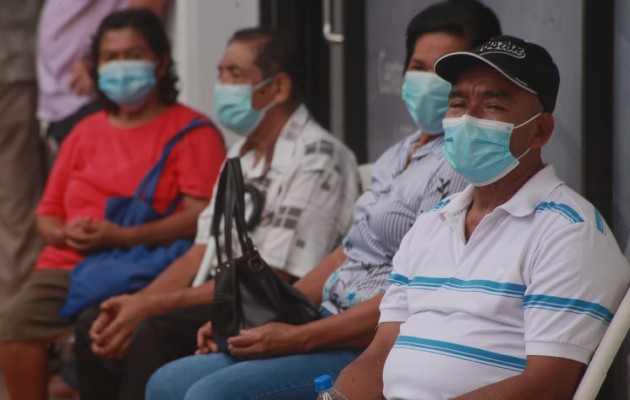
<point>25,369</point>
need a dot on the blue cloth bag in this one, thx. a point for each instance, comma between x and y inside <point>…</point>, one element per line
<point>116,271</point>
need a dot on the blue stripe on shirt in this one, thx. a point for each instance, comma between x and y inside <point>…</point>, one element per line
<point>576,306</point>
<point>417,282</point>
<point>485,286</point>
<point>459,351</point>
<point>440,205</point>
<point>599,221</point>
<point>477,285</point>
<point>425,282</point>
<point>562,209</point>
<point>505,289</point>
<point>398,280</point>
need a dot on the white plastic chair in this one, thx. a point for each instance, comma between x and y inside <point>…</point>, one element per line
<point>605,353</point>
<point>365,175</point>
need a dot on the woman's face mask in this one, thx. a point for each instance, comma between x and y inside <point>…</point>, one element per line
<point>233,106</point>
<point>426,96</point>
<point>127,82</point>
<point>479,149</point>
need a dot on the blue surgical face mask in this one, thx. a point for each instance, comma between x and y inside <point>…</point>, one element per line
<point>426,96</point>
<point>127,83</point>
<point>479,149</point>
<point>233,106</point>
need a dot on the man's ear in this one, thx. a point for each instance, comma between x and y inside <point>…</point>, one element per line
<point>544,128</point>
<point>284,87</point>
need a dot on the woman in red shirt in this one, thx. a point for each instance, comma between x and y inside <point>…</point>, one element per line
<point>106,156</point>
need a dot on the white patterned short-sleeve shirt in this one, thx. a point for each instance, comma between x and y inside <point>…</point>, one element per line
<point>309,187</point>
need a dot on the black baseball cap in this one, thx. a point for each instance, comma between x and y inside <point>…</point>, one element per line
<point>526,64</point>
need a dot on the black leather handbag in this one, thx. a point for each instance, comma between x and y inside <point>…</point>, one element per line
<point>247,291</point>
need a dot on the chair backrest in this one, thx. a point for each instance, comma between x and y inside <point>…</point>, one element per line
<point>365,174</point>
<point>605,353</point>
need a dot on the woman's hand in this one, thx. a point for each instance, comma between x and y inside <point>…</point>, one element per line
<point>205,344</point>
<point>272,339</point>
<point>94,235</point>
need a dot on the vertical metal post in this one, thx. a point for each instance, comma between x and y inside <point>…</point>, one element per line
<point>355,79</point>
<point>597,134</point>
<point>332,16</point>
<point>597,104</point>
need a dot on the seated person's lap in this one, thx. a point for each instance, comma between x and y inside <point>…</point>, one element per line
<point>227,377</point>
<point>32,314</point>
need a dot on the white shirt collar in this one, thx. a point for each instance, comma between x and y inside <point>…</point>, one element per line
<point>522,203</point>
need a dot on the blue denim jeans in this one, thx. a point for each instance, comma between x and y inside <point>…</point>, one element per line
<point>220,376</point>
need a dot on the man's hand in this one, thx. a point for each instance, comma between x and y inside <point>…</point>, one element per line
<point>272,339</point>
<point>91,235</point>
<point>205,344</point>
<point>111,332</point>
<point>80,81</point>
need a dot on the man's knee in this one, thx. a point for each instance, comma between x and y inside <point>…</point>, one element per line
<point>150,333</point>
<point>167,336</point>
<point>149,325</point>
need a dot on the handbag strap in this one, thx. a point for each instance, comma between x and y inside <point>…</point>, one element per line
<point>229,206</point>
<point>239,208</point>
<point>148,185</point>
<point>220,210</point>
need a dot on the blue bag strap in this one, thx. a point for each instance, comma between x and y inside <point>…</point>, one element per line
<point>146,188</point>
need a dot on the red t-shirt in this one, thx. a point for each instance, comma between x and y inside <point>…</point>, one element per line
<point>98,161</point>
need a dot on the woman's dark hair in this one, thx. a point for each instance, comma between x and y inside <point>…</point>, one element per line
<point>276,53</point>
<point>149,26</point>
<point>464,18</point>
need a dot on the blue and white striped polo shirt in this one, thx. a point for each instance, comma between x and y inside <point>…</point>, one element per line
<point>383,215</point>
<point>540,275</point>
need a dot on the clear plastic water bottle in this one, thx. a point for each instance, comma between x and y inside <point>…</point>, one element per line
<point>326,391</point>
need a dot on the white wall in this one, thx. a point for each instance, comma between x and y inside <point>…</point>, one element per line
<point>202,29</point>
<point>557,26</point>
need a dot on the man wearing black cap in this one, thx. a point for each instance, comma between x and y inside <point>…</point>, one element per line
<point>504,290</point>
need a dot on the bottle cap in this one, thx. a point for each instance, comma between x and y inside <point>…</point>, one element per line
<point>323,382</point>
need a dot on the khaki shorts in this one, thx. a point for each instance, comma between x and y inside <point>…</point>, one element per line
<point>32,313</point>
